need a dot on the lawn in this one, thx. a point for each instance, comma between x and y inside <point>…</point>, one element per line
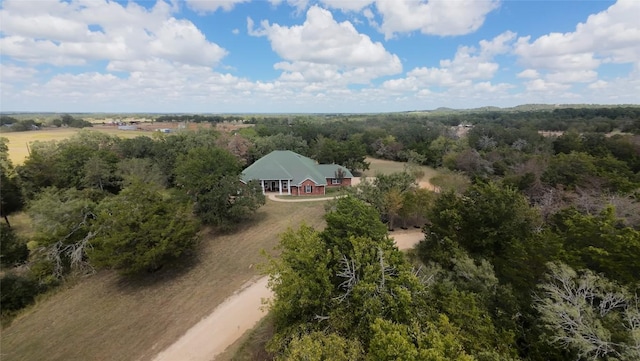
<point>19,141</point>
<point>104,317</point>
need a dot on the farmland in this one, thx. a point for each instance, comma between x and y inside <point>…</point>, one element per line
<point>19,141</point>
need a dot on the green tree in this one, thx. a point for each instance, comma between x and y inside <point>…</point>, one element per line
<point>10,194</point>
<point>140,229</point>
<point>581,170</point>
<point>438,341</point>
<point>10,190</point>
<point>599,243</point>
<point>98,173</point>
<point>342,279</point>
<point>265,145</point>
<point>12,250</point>
<point>492,222</point>
<point>17,292</point>
<point>319,346</point>
<point>211,176</point>
<point>144,170</point>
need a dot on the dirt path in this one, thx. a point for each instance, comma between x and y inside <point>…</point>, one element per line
<point>274,197</point>
<point>213,334</point>
<point>238,314</point>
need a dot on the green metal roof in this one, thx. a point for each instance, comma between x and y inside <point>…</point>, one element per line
<point>329,170</point>
<point>285,164</point>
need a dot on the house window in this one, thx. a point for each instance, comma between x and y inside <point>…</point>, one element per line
<point>308,189</point>
<point>336,181</point>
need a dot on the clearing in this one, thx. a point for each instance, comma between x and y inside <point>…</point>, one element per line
<point>389,166</point>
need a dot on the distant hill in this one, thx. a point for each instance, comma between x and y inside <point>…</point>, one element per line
<point>523,108</point>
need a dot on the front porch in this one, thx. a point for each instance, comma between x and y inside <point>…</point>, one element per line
<point>280,186</point>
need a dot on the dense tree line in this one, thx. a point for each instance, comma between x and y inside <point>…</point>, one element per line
<point>12,124</point>
<point>198,118</point>
<point>98,201</point>
<point>492,280</point>
<point>533,257</point>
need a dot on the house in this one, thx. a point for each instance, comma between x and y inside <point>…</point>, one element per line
<point>286,172</point>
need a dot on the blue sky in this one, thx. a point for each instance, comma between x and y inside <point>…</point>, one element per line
<point>282,56</point>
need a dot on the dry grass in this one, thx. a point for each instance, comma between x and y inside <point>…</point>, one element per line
<point>18,141</point>
<point>389,166</point>
<point>104,317</point>
<point>252,345</point>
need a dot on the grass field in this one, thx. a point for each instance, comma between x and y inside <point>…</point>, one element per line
<point>18,141</point>
<point>103,317</point>
<point>389,166</point>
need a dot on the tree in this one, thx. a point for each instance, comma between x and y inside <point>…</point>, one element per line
<point>98,173</point>
<point>10,194</point>
<point>599,243</point>
<point>319,346</point>
<point>10,191</point>
<point>143,170</point>
<point>141,230</point>
<point>62,222</point>
<point>236,144</point>
<point>265,145</point>
<point>211,176</point>
<point>12,250</point>
<point>350,217</point>
<point>342,279</point>
<point>588,314</point>
<point>438,341</point>
<point>488,221</point>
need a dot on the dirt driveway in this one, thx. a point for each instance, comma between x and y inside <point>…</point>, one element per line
<point>238,314</point>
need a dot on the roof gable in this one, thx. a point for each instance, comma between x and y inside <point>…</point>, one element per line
<point>330,170</point>
<point>284,164</point>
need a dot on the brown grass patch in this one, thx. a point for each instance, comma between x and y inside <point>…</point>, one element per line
<point>388,166</point>
<point>105,317</point>
<point>19,141</point>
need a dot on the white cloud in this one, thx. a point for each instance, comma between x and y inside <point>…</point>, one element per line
<point>433,17</point>
<point>612,35</point>
<point>205,6</point>
<point>347,5</point>
<point>322,47</point>
<point>75,33</point>
<point>540,85</point>
<point>300,5</point>
<point>528,74</point>
<point>469,64</point>
<point>577,76</point>
<point>501,44</point>
<point>600,84</point>
<point>10,73</point>
<point>487,87</point>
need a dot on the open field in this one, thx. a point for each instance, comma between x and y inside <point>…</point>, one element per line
<point>18,141</point>
<point>388,166</point>
<point>104,317</point>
